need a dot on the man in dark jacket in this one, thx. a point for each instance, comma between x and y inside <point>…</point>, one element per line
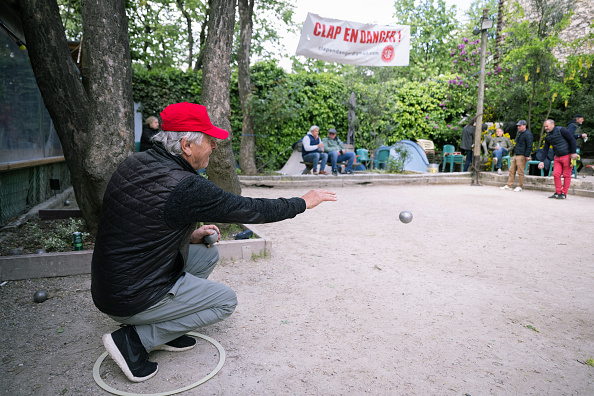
<point>575,128</point>
<point>563,144</point>
<point>150,264</point>
<point>522,151</point>
<point>468,141</point>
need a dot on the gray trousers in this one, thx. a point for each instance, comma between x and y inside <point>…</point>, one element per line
<point>192,302</point>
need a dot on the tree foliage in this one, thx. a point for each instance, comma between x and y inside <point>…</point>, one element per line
<point>432,29</point>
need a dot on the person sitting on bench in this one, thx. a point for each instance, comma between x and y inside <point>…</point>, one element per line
<point>337,153</point>
<point>500,145</point>
<point>313,150</point>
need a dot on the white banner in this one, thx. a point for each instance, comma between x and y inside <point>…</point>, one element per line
<point>355,43</point>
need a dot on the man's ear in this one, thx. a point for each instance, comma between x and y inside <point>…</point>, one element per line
<point>185,147</point>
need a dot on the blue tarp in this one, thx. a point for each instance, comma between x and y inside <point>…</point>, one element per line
<point>417,161</point>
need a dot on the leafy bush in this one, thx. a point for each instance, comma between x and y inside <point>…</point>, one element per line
<point>397,163</point>
<point>59,240</point>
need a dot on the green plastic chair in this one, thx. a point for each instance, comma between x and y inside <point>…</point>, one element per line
<point>450,158</point>
<point>363,156</point>
<point>504,158</point>
<point>534,162</point>
<point>382,158</point>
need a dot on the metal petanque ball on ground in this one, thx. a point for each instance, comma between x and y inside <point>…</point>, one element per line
<point>405,216</point>
<point>40,296</point>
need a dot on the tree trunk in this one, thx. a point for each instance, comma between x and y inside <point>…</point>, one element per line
<point>180,5</point>
<point>247,151</point>
<point>550,99</point>
<point>94,116</point>
<point>200,56</point>
<point>531,102</point>
<point>216,78</point>
<point>351,118</point>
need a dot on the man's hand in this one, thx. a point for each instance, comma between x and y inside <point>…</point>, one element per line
<point>540,165</point>
<point>528,158</point>
<point>574,156</point>
<point>199,234</point>
<point>315,197</point>
<point>584,135</point>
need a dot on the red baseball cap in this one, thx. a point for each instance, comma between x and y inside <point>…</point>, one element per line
<point>190,117</point>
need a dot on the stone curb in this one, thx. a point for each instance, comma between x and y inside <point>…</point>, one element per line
<point>579,186</point>
<point>49,265</point>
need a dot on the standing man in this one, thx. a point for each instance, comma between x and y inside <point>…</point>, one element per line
<point>500,145</point>
<point>564,147</point>
<point>337,153</point>
<point>468,141</point>
<point>575,128</point>
<point>522,152</point>
<point>150,264</point>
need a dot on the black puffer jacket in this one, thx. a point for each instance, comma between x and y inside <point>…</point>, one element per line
<point>523,143</point>
<point>150,209</point>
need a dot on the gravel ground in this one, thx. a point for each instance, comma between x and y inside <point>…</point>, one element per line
<point>485,292</point>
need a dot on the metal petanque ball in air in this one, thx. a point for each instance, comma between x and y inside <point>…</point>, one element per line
<point>40,296</point>
<point>211,239</point>
<point>405,216</point>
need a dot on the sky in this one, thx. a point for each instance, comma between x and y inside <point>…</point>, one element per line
<point>363,11</point>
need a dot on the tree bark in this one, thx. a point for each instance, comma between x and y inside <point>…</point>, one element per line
<point>247,151</point>
<point>93,115</point>
<point>216,79</point>
<point>200,57</point>
<point>180,5</point>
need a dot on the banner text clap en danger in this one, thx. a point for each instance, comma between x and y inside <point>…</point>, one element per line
<point>354,43</point>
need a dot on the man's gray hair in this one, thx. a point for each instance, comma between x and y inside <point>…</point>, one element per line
<point>313,127</point>
<point>550,121</point>
<point>172,140</point>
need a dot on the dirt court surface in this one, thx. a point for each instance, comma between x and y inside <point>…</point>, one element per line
<point>485,292</point>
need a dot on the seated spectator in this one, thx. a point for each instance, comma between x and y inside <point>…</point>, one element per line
<point>500,146</point>
<point>313,150</point>
<point>337,153</point>
<point>538,156</point>
<point>150,129</point>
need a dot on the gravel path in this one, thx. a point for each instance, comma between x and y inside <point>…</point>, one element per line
<point>484,292</point>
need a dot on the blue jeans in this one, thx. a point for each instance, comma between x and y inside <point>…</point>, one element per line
<point>349,157</point>
<point>316,157</point>
<point>468,160</point>
<point>498,153</point>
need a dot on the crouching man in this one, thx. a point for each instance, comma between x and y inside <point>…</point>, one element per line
<point>150,264</point>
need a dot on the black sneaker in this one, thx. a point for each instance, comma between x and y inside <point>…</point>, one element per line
<point>561,196</point>
<point>556,196</point>
<point>349,172</point>
<point>180,344</point>
<point>127,351</point>
<point>334,172</point>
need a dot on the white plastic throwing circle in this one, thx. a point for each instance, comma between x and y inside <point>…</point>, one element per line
<point>108,388</point>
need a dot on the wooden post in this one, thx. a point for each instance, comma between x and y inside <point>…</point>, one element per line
<point>476,152</point>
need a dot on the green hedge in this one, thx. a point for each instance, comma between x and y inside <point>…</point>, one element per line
<point>286,105</point>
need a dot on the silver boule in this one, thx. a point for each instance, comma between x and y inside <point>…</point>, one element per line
<point>211,239</point>
<point>40,296</point>
<point>405,216</point>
